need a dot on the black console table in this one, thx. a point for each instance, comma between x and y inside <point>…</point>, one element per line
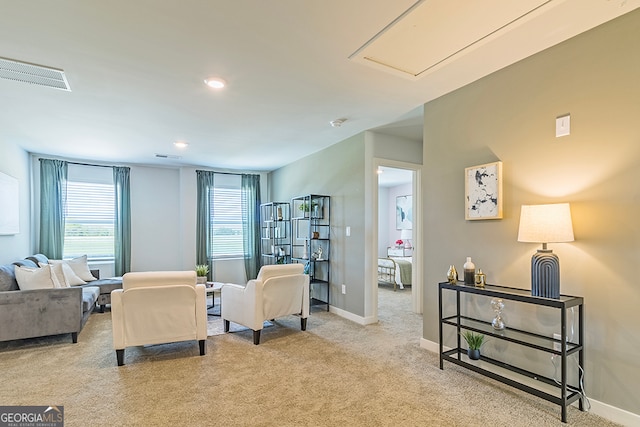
<point>560,391</point>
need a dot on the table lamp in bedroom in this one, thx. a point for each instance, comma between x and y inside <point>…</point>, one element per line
<point>405,236</point>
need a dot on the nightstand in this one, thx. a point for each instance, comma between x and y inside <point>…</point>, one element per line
<point>399,252</point>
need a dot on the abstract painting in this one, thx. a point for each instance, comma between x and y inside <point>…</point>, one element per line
<point>404,213</point>
<point>483,191</point>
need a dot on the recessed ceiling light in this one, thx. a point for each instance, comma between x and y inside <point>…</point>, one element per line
<point>215,82</point>
<point>181,144</point>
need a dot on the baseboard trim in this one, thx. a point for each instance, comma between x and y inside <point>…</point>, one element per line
<point>603,410</point>
<point>614,414</point>
<point>350,316</point>
<point>431,346</point>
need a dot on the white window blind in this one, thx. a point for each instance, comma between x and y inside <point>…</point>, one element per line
<point>90,215</point>
<point>226,221</point>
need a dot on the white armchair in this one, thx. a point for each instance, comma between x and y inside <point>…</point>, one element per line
<point>279,290</point>
<point>158,307</point>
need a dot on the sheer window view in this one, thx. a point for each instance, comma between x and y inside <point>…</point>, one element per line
<point>226,223</point>
<point>89,222</point>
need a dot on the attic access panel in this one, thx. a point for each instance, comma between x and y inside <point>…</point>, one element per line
<point>432,32</point>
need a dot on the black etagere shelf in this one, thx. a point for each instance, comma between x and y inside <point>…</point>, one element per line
<point>311,243</point>
<point>275,229</point>
<point>560,392</point>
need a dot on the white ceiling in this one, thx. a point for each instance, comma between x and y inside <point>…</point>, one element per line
<point>136,71</point>
<point>391,177</point>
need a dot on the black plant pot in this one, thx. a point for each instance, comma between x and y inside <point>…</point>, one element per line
<point>473,354</point>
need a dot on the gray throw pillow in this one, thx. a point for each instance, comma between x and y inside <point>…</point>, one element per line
<point>39,259</point>
<point>26,263</point>
<point>8,278</point>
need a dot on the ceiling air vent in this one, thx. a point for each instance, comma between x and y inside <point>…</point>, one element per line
<point>34,74</point>
<point>168,156</point>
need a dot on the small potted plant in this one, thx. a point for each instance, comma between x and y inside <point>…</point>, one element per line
<point>474,342</point>
<point>305,208</point>
<point>399,243</point>
<point>201,271</point>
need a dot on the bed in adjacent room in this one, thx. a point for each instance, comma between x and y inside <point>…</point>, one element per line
<point>395,271</point>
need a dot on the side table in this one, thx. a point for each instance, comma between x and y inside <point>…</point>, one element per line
<point>214,288</point>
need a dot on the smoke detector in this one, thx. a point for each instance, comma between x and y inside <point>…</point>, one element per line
<point>337,122</point>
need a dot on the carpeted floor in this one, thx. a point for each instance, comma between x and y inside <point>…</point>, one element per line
<point>337,373</point>
<point>215,326</point>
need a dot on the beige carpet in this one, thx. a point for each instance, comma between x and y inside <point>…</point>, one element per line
<point>337,373</point>
<point>215,327</point>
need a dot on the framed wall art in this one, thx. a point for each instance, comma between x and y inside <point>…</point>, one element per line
<point>483,191</point>
<point>404,213</point>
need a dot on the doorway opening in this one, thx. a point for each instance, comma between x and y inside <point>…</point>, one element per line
<point>397,287</point>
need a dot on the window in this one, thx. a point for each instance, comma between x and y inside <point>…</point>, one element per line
<point>226,218</point>
<point>90,213</point>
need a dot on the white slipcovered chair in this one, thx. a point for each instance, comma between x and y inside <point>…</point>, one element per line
<point>158,307</point>
<point>279,290</point>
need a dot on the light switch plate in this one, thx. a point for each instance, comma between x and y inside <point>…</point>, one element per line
<point>563,125</point>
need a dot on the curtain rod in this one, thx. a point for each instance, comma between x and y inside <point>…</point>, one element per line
<point>78,163</point>
<point>89,164</point>
<point>227,173</point>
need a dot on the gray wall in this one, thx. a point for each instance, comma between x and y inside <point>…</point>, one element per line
<point>344,172</point>
<point>510,116</point>
<point>155,220</point>
<point>14,161</point>
<point>337,171</point>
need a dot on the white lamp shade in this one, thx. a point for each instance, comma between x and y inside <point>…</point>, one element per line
<point>405,235</point>
<point>545,223</point>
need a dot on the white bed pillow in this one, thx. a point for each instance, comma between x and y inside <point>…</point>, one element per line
<point>65,274</point>
<point>35,278</point>
<point>79,266</point>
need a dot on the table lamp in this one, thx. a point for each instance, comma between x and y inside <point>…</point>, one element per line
<point>545,224</point>
<point>405,236</point>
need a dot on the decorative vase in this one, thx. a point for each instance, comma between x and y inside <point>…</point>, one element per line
<point>201,280</point>
<point>474,354</point>
<point>469,272</point>
<point>498,306</point>
<point>452,274</point>
<point>481,279</point>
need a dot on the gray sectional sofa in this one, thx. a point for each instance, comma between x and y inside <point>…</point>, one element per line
<point>41,312</point>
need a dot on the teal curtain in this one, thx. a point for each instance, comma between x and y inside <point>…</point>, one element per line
<point>122,226</point>
<point>53,197</point>
<point>250,188</point>
<point>203,219</point>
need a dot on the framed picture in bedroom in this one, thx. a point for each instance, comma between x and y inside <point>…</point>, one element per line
<point>483,191</point>
<point>404,213</point>
<point>9,205</point>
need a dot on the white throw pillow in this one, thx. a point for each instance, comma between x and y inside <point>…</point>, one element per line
<point>79,266</point>
<point>34,278</point>
<point>65,275</point>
